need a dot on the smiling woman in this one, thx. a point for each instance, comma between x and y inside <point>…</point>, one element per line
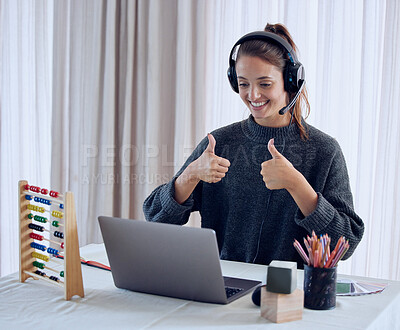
<point>257,217</point>
<point>274,65</point>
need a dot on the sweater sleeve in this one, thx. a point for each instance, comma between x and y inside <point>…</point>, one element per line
<point>335,213</point>
<point>161,206</point>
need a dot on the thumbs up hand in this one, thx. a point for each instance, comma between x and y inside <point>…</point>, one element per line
<point>209,167</point>
<point>278,172</point>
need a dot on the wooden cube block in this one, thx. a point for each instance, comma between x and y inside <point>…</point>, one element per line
<point>280,307</point>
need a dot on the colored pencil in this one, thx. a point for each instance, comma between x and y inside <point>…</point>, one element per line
<point>318,250</point>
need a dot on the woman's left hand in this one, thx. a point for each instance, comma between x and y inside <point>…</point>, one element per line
<point>278,172</point>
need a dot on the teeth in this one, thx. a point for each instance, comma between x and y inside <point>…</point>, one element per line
<point>259,104</point>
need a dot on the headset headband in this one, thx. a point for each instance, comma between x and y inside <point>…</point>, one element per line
<point>266,36</point>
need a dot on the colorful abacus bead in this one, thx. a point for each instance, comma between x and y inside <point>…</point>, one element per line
<point>38,246</point>
<point>62,273</point>
<point>44,191</point>
<point>58,234</point>
<point>26,187</point>
<point>54,194</point>
<point>35,227</point>
<point>38,264</point>
<point>54,278</point>
<point>57,214</point>
<point>62,206</point>
<point>36,236</point>
<point>38,218</point>
<point>30,216</point>
<point>40,273</point>
<point>55,223</point>
<point>42,200</point>
<point>62,245</point>
<point>34,189</point>
<point>40,256</point>
<point>52,251</point>
<point>35,208</point>
<point>28,197</point>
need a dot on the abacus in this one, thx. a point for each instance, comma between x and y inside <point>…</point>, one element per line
<point>66,238</point>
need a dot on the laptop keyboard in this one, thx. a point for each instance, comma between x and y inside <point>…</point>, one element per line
<point>231,291</point>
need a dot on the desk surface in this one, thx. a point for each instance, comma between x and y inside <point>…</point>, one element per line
<point>36,304</point>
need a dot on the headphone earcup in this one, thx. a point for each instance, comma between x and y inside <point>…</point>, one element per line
<point>294,72</point>
<point>233,79</point>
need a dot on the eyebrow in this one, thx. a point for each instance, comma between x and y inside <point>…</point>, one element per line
<point>260,78</point>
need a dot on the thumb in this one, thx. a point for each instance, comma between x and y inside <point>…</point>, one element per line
<point>211,143</point>
<point>273,151</point>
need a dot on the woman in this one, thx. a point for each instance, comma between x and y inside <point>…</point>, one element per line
<point>303,186</point>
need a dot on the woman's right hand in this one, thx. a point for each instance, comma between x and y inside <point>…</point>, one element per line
<point>209,167</point>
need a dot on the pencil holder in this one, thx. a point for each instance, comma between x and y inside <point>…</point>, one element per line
<point>319,288</point>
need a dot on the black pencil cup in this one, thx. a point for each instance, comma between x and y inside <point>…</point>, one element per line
<point>319,288</point>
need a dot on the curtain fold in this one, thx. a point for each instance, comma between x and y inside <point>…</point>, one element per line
<point>383,252</point>
<point>108,98</point>
<point>26,40</point>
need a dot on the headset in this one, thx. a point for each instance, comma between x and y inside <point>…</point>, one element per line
<point>293,73</point>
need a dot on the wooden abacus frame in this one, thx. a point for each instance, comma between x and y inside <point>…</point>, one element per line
<point>73,284</point>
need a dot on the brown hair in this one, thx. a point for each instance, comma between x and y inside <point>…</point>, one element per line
<point>276,55</point>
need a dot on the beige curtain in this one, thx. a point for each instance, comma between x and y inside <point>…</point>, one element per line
<point>128,101</point>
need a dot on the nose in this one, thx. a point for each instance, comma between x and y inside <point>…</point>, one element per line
<point>254,93</point>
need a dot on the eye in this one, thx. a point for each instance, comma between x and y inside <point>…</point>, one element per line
<point>243,85</point>
<point>265,84</point>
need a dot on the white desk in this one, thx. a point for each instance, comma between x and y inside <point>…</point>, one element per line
<point>36,304</point>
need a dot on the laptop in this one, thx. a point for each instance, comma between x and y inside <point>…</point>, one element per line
<point>169,260</point>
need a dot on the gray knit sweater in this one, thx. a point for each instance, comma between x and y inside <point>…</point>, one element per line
<point>253,223</point>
